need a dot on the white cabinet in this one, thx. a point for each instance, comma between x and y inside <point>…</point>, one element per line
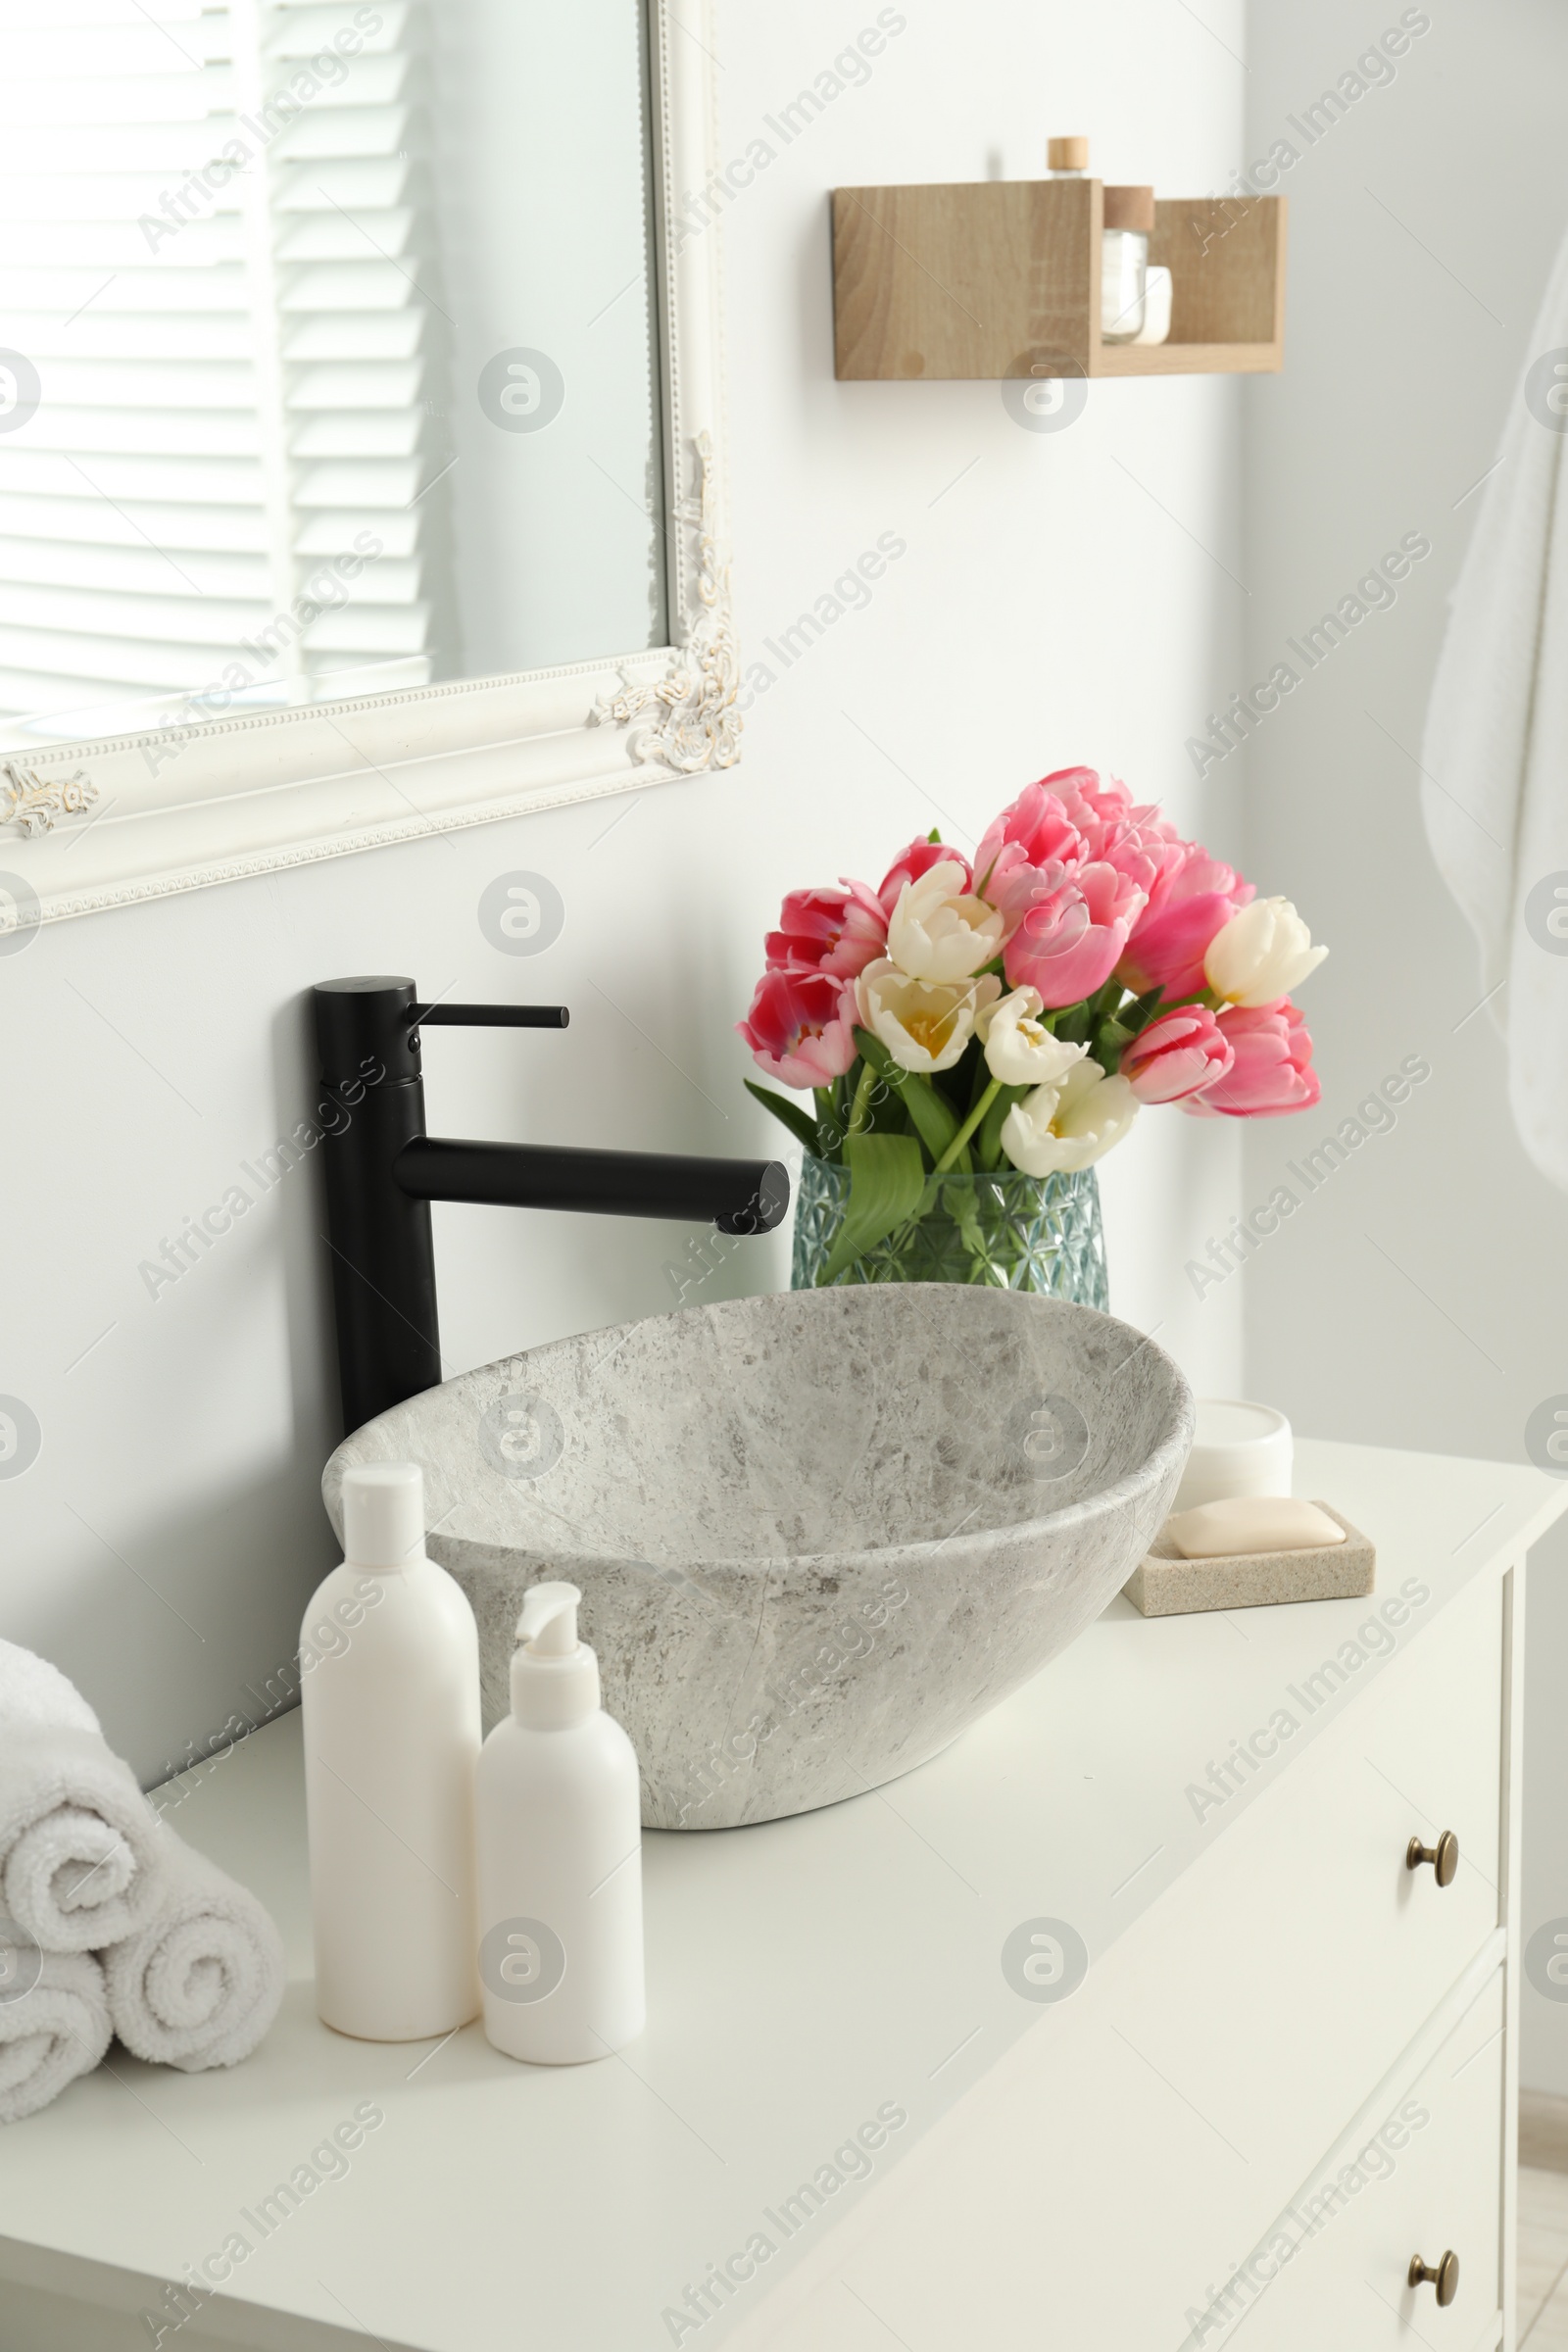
<point>1287,2065</point>
<point>1204,2141</point>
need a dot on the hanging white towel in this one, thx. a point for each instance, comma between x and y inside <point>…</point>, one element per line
<point>54,2021</point>
<point>200,1984</point>
<point>1496,755</point>
<point>80,1844</point>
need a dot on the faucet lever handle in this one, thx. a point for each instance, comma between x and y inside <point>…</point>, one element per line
<point>488,1016</point>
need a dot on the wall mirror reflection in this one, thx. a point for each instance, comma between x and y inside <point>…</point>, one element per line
<point>332,353</point>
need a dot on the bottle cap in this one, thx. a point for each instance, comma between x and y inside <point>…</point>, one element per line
<point>1130,207</point>
<point>555,1677</point>
<point>1067,155</point>
<point>383,1515</point>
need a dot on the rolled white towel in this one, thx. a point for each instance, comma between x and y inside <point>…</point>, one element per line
<point>81,1847</point>
<point>200,1984</point>
<point>54,2021</point>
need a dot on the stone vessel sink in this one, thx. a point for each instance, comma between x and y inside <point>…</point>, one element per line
<point>818,1535</point>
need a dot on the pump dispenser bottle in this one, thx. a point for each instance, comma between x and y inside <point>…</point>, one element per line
<point>560,1844</point>
<point>390,1693</point>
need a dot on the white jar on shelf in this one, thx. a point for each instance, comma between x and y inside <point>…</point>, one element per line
<point>1129,218</point>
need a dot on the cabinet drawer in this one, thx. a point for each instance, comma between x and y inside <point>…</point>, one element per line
<point>1427,2182</point>
<point>1284,1975</point>
<point>1106,2176</point>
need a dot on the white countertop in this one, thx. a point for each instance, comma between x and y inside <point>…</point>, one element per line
<point>803,1975</point>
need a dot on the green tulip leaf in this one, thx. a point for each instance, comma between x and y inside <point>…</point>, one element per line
<point>887,1182</point>
<point>1111,1040</point>
<point>988,1142</point>
<point>800,1123</point>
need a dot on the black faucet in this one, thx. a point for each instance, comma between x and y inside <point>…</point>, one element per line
<point>383,1171</point>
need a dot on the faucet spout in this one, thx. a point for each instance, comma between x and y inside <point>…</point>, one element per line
<point>738,1196</point>
<point>383,1171</point>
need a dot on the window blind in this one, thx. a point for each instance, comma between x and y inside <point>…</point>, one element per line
<point>215,256</point>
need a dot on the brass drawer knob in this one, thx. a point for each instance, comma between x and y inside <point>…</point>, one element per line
<point>1445,2278</point>
<point>1443,1858</point>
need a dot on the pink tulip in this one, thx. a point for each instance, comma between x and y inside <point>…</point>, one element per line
<point>1106,815</point>
<point>1131,835</point>
<point>834,931</point>
<point>1087,800</point>
<point>1177,1054</point>
<point>1029,850</point>
<point>1272,1074</point>
<point>1191,894</point>
<point>1069,940</point>
<point>910,863</point>
<point>800,1027</point>
<point>1110,829</point>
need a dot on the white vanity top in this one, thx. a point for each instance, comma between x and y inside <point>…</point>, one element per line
<point>807,1976</point>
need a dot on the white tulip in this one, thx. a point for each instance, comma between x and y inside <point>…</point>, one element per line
<point>939,930</point>
<point>1261,954</point>
<point>1027,1137</point>
<point>924,1027</point>
<point>1020,1051</point>
<point>1070,1126</point>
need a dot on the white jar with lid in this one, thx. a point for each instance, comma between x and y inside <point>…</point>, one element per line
<point>1129,221</point>
<point>1238,1448</point>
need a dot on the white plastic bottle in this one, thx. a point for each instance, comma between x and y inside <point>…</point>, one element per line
<point>391,1701</point>
<point>560,1835</point>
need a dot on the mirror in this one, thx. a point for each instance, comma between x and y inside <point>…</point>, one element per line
<point>334,363</point>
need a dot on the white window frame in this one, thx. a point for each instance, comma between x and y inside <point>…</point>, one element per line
<point>90,826</point>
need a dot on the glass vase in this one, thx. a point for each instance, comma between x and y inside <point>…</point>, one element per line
<point>1007,1232</point>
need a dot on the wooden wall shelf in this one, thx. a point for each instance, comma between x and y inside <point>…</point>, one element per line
<point>994,278</point>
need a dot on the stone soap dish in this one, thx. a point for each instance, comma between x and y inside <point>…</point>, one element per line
<point>1165,1584</point>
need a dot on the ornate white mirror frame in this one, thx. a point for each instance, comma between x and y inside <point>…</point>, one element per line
<point>90,826</point>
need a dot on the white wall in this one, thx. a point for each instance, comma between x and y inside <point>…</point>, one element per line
<point>1419,1296</point>
<point>544,244</point>
<point>1063,598</point>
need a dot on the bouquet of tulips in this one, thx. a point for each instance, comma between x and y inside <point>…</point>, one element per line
<point>1017,1011</point>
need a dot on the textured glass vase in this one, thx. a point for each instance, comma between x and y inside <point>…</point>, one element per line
<point>1008,1232</point>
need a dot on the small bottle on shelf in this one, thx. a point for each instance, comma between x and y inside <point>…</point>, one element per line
<point>1129,218</point>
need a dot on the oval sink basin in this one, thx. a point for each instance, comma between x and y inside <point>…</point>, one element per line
<point>818,1535</point>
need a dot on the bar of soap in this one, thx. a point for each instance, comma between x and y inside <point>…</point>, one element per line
<point>1252,1523</point>
<point>1165,1584</point>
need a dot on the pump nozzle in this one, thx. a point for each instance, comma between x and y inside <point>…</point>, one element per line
<point>549,1619</point>
<point>555,1677</point>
